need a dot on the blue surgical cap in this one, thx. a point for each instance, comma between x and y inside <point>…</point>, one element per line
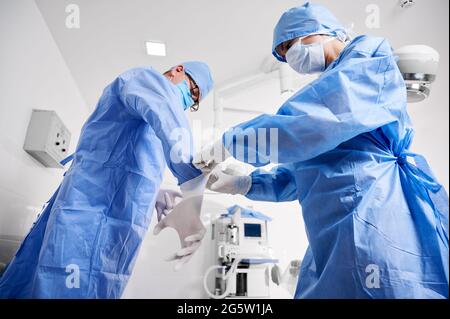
<point>303,21</point>
<point>201,74</point>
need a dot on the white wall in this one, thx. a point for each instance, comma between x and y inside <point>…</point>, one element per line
<point>33,74</point>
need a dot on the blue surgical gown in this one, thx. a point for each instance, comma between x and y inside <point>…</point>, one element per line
<point>376,220</point>
<point>86,240</point>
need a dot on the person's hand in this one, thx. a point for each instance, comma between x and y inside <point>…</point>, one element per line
<point>185,219</point>
<point>210,156</point>
<point>229,181</point>
<point>165,202</point>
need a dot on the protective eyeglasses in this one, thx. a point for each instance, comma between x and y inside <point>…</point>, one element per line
<point>195,93</point>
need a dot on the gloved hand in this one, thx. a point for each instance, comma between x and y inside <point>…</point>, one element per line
<point>165,202</point>
<point>190,230</point>
<point>210,156</point>
<point>229,182</point>
<point>185,219</point>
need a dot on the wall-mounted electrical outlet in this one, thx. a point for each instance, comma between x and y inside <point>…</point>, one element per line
<point>47,139</point>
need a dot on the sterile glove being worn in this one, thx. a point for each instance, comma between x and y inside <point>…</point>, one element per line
<point>210,156</point>
<point>190,230</point>
<point>165,202</point>
<point>228,183</point>
<point>185,220</point>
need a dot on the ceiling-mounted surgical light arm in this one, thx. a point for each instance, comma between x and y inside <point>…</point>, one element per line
<point>290,81</point>
<point>232,88</point>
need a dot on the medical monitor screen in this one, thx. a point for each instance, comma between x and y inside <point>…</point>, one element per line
<point>252,230</point>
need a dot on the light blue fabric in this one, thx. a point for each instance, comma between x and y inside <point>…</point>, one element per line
<point>99,215</point>
<point>249,213</point>
<point>186,96</point>
<point>343,153</point>
<point>201,74</point>
<point>303,21</point>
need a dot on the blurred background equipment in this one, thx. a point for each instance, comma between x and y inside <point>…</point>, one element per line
<point>243,255</point>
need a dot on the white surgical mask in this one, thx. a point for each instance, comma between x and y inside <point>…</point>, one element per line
<point>307,58</point>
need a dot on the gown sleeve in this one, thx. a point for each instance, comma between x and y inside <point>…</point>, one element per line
<point>362,95</point>
<point>277,185</point>
<point>149,96</point>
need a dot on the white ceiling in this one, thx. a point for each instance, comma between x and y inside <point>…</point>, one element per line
<point>232,36</point>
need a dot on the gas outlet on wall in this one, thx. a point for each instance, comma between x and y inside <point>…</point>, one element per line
<point>47,138</point>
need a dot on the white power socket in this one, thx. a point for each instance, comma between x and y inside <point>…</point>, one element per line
<point>47,139</point>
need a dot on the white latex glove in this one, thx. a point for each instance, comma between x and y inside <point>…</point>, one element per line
<point>190,230</point>
<point>210,156</point>
<point>228,183</point>
<point>185,219</point>
<point>165,202</point>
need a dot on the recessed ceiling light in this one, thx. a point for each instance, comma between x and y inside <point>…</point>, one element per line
<point>155,48</point>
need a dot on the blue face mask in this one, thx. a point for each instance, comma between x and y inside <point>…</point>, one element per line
<point>186,96</point>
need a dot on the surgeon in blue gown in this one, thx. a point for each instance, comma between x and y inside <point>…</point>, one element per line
<point>375,216</point>
<point>86,240</point>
